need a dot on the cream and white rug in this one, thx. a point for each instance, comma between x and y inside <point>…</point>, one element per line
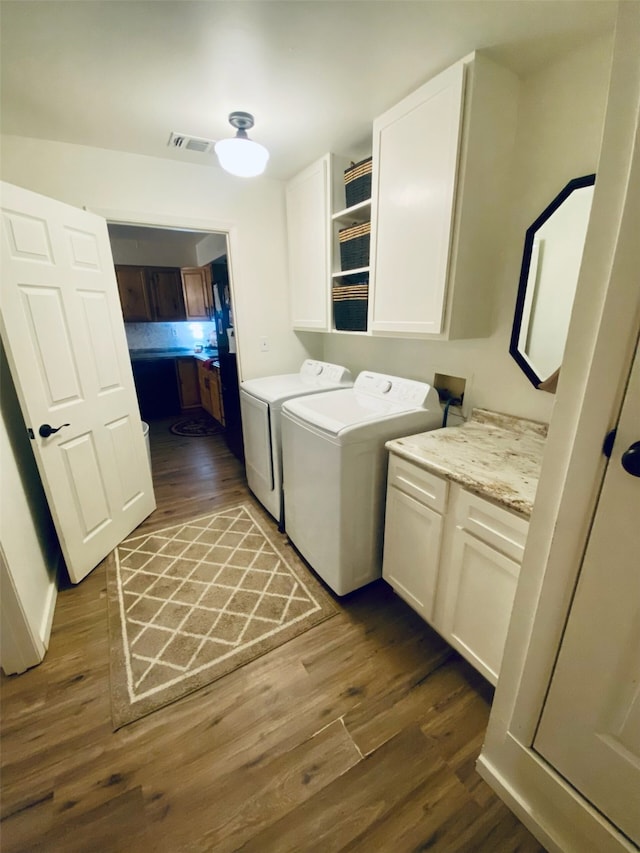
<point>191,602</point>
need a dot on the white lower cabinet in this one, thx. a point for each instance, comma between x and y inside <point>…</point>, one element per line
<point>411,529</point>
<point>454,558</point>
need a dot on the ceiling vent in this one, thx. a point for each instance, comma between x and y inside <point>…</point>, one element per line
<point>191,143</point>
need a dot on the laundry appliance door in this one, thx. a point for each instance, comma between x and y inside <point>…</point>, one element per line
<point>258,451</point>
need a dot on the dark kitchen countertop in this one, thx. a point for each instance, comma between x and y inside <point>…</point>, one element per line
<point>176,352</point>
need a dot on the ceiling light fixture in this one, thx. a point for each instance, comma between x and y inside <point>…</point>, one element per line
<point>240,155</point>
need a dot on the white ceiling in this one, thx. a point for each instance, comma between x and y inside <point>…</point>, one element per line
<point>124,74</point>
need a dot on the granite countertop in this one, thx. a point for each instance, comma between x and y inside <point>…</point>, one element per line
<point>175,352</point>
<point>493,455</point>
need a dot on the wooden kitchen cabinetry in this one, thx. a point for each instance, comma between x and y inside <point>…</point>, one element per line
<point>150,294</point>
<point>211,391</point>
<point>165,288</point>
<point>188,382</point>
<point>440,170</point>
<point>134,296</point>
<point>197,292</point>
<point>453,557</point>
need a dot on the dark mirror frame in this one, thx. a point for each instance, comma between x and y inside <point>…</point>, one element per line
<point>547,213</point>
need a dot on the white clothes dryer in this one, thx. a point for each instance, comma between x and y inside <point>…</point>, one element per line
<point>260,404</point>
<point>335,471</point>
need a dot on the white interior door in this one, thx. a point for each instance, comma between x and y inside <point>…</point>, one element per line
<point>62,327</point>
<point>590,725</point>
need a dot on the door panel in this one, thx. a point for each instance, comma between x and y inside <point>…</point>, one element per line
<point>64,337</point>
<point>590,726</point>
<point>257,441</point>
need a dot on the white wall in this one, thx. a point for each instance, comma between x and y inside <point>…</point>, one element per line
<point>559,131</point>
<point>162,192</point>
<point>210,248</point>
<point>27,536</point>
<point>151,253</point>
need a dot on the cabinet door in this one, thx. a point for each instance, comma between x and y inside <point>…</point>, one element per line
<point>308,223</point>
<point>415,157</point>
<point>480,585</point>
<point>205,387</point>
<point>216,395</point>
<point>198,296</point>
<point>412,537</point>
<point>166,294</point>
<point>188,384</point>
<point>134,298</point>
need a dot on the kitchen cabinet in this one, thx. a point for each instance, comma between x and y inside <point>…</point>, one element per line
<point>134,298</point>
<point>197,292</point>
<point>150,294</point>
<point>165,289</point>
<point>454,557</point>
<point>188,384</point>
<point>211,391</point>
<point>439,201</point>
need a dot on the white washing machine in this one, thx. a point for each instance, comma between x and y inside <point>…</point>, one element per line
<point>335,471</point>
<point>260,404</point>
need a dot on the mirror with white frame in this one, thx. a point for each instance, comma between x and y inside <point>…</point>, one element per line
<point>550,265</point>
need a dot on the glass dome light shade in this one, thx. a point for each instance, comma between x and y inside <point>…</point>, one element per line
<point>242,157</point>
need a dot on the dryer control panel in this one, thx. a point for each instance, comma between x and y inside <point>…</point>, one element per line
<point>420,395</point>
<point>325,373</point>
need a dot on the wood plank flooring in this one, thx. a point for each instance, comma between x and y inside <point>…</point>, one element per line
<point>359,735</point>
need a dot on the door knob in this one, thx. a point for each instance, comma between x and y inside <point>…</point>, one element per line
<point>631,459</point>
<point>46,429</point>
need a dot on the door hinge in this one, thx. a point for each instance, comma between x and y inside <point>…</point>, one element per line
<point>30,433</point>
<point>607,445</point>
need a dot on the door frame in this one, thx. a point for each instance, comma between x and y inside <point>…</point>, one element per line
<point>167,221</point>
<point>598,358</point>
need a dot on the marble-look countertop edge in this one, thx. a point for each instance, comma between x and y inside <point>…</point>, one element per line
<point>520,505</point>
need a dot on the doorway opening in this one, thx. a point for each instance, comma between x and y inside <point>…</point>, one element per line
<point>175,291</point>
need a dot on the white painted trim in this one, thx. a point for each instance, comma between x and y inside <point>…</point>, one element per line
<point>20,647</point>
<point>549,814</point>
<point>46,622</point>
<point>602,339</point>
<point>159,220</point>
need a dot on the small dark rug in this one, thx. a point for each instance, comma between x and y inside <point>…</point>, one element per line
<point>202,425</point>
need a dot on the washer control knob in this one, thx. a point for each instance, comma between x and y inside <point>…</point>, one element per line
<point>385,386</point>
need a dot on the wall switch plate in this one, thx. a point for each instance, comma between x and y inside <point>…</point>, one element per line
<point>264,345</point>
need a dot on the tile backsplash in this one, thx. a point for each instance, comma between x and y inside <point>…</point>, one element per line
<point>169,335</point>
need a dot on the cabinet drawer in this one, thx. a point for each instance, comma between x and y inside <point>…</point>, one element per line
<point>420,484</point>
<point>503,530</point>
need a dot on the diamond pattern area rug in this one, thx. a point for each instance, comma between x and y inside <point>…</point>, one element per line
<point>190,603</point>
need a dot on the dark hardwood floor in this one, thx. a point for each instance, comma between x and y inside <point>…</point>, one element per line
<point>354,736</point>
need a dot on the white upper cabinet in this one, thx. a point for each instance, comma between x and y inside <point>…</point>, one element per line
<point>309,229</point>
<point>441,162</point>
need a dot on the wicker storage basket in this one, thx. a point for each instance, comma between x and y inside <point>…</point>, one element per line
<point>350,307</point>
<point>354,246</point>
<point>357,182</point>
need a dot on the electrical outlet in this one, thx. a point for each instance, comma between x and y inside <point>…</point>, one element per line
<point>264,345</point>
